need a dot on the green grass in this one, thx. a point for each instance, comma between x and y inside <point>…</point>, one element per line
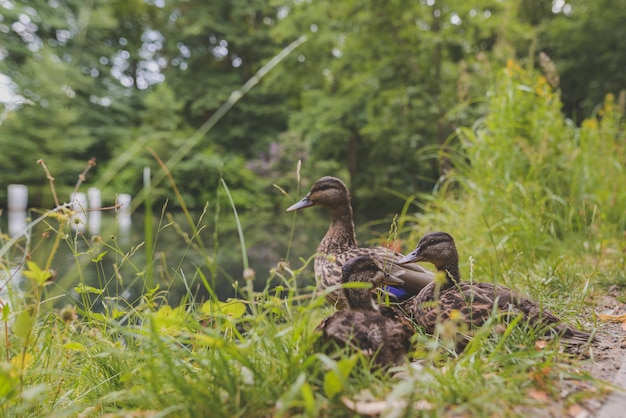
<point>532,201</point>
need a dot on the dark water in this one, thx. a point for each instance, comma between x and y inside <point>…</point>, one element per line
<point>112,259</point>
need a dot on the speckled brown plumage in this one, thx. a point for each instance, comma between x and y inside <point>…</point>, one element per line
<point>340,244</point>
<point>382,331</point>
<point>474,301</point>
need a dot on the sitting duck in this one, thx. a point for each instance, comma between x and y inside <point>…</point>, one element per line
<point>339,245</point>
<point>381,332</point>
<point>472,302</point>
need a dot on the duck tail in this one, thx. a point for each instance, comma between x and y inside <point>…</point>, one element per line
<point>569,335</point>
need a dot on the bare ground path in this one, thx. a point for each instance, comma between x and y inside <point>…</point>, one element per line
<point>609,361</point>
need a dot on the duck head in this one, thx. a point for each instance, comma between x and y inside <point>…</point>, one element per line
<point>437,248</point>
<point>327,192</point>
<point>364,269</point>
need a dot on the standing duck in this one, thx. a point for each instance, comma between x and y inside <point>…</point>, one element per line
<point>381,332</point>
<point>471,302</point>
<point>339,245</point>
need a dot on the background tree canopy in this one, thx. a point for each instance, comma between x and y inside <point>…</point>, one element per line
<point>374,95</point>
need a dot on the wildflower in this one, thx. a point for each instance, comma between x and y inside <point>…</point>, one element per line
<point>249,274</point>
<point>68,314</point>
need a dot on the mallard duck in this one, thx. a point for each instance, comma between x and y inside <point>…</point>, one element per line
<point>339,244</point>
<point>471,302</point>
<point>380,331</point>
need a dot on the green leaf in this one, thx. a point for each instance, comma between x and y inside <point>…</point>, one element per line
<point>99,257</point>
<point>233,308</point>
<point>335,378</point>
<point>35,273</point>
<point>82,288</point>
<point>23,324</point>
<point>170,320</point>
<point>333,383</point>
<point>6,310</point>
<point>308,398</point>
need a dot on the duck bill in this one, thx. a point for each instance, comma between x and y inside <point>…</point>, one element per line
<point>411,257</point>
<point>304,203</point>
<point>392,280</point>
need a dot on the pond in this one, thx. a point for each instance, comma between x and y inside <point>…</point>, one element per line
<point>105,263</point>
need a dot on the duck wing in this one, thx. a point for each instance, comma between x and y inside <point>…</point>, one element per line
<point>463,301</point>
<point>475,301</point>
<point>328,272</point>
<point>415,277</point>
<point>508,300</point>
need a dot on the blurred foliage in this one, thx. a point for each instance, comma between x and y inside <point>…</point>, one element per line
<point>372,96</point>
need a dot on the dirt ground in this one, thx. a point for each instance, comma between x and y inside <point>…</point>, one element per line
<point>603,361</point>
<point>581,398</point>
<point>609,353</point>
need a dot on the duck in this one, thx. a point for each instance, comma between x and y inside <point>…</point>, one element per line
<point>472,303</point>
<point>381,333</point>
<point>339,245</point>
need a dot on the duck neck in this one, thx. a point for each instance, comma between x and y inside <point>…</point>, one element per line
<point>453,275</point>
<point>341,235</point>
<point>360,298</point>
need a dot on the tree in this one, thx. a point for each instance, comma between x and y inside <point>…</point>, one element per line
<point>382,84</point>
<point>63,57</point>
<point>585,39</point>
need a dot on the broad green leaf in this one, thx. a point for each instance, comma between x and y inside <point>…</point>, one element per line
<point>333,383</point>
<point>23,324</point>
<point>171,320</point>
<point>233,308</point>
<point>308,398</point>
<point>35,273</point>
<point>336,377</point>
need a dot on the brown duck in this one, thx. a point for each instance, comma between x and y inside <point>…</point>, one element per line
<point>379,332</point>
<point>473,301</point>
<point>339,245</point>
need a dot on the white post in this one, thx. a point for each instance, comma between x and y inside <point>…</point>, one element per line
<point>18,196</point>
<point>123,216</point>
<point>17,203</point>
<point>95,214</point>
<point>78,220</point>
